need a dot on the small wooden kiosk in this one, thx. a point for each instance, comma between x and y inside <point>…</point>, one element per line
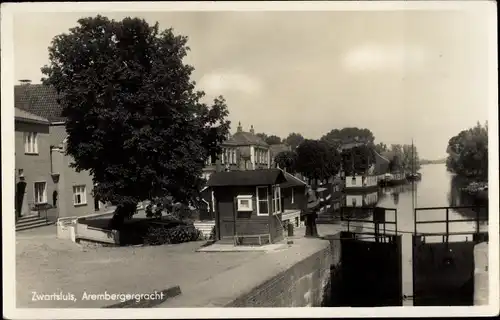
<point>248,206</point>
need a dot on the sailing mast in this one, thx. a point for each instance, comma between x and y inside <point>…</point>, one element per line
<point>412,176</point>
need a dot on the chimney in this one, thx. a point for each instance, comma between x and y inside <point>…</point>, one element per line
<point>25,81</point>
<point>240,129</point>
<point>252,131</point>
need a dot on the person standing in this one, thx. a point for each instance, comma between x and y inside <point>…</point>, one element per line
<point>311,211</point>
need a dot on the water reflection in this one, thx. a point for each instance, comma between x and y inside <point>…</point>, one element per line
<point>438,188</point>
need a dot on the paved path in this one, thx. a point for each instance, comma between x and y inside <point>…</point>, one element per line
<point>47,265</point>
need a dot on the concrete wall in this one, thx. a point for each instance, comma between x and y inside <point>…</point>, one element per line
<point>481,281</point>
<point>299,278</point>
<point>36,167</point>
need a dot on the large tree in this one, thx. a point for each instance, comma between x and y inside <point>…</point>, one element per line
<point>286,160</point>
<point>468,153</point>
<point>381,148</point>
<point>357,160</point>
<point>134,117</point>
<point>403,157</point>
<point>294,140</point>
<point>317,160</point>
<point>338,137</point>
<point>273,139</point>
<point>262,135</point>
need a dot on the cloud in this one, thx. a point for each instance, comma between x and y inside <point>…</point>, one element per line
<point>227,82</point>
<point>376,57</point>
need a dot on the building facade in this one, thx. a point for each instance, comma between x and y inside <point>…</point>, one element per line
<point>70,193</point>
<point>34,183</point>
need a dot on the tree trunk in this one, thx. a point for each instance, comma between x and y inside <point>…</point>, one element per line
<point>122,212</point>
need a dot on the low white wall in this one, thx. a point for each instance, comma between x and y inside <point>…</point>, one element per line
<point>85,232</point>
<point>481,281</point>
<point>67,228</point>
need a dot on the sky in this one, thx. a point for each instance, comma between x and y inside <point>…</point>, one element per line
<point>420,75</point>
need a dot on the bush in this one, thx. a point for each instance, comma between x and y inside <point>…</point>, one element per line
<point>158,235</point>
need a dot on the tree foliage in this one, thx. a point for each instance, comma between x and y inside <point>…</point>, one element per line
<point>262,136</point>
<point>273,139</point>
<point>338,137</point>
<point>357,160</point>
<point>134,117</point>
<point>317,160</point>
<point>381,148</point>
<point>468,153</point>
<point>403,158</point>
<point>294,140</point>
<point>286,160</point>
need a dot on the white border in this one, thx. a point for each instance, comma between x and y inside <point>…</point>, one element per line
<point>7,111</point>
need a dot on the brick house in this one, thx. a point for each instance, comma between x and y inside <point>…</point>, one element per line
<point>70,192</point>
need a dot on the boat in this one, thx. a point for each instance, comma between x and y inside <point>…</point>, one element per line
<point>414,176</point>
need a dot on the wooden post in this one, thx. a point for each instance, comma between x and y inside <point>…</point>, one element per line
<point>477,220</point>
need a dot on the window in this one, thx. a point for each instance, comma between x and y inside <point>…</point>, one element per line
<point>31,142</point>
<point>244,203</point>
<point>262,201</point>
<point>234,156</point>
<point>293,195</point>
<point>353,181</point>
<point>276,199</point>
<point>79,195</point>
<point>40,193</point>
<point>353,202</point>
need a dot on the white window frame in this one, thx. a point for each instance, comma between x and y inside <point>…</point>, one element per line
<point>31,147</point>
<point>292,201</point>
<point>83,195</point>
<point>262,200</point>
<point>44,194</point>
<point>277,200</point>
<point>240,199</point>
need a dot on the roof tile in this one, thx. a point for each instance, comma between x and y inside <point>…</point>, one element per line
<point>40,100</point>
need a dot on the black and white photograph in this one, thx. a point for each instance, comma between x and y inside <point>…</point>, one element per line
<point>246,158</point>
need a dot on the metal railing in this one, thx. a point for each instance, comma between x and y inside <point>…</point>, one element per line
<point>378,218</point>
<point>447,221</point>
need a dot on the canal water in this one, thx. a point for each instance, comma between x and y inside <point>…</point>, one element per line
<point>438,188</point>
